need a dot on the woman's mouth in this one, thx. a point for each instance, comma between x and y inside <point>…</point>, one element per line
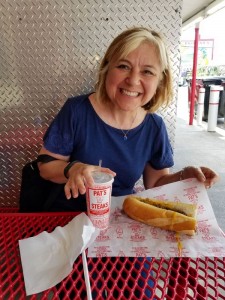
<point>129,93</point>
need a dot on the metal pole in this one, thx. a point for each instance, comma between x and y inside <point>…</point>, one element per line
<point>214,100</point>
<point>201,99</point>
<point>194,71</point>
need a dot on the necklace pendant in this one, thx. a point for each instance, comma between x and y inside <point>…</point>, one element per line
<point>125,133</point>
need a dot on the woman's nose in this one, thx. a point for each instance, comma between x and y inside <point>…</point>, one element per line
<point>133,78</point>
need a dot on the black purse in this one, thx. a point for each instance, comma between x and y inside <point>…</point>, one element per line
<point>36,193</point>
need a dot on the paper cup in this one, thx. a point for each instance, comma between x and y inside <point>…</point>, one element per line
<point>98,199</point>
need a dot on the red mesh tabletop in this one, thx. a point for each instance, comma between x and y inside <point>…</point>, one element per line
<point>9,209</point>
<point>111,278</point>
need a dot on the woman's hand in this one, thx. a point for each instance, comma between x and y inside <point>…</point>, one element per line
<point>79,175</point>
<point>203,174</point>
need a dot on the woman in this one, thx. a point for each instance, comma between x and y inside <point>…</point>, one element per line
<point>118,125</point>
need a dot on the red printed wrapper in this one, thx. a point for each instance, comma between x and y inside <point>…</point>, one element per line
<point>127,237</point>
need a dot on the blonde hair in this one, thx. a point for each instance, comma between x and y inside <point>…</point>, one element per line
<point>125,43</point>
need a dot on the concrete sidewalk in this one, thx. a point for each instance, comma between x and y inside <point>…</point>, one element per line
<point>194,145</point>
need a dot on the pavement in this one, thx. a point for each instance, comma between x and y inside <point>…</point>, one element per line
<point>194,145</point>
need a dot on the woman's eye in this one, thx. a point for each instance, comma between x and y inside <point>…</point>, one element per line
<point>148,72</point>
<point>124,67</point>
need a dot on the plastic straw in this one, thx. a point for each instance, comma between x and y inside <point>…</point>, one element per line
<point>86,276</point>
<point>100,163</point>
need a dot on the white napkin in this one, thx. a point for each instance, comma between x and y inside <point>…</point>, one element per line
<point>48,257</point>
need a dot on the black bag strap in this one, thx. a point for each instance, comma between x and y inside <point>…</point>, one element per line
<point>45,158</point>
<point>56,188</point>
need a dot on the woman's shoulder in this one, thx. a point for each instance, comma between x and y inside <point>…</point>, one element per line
<point>75,104</point>
<point>77,100</point>
<point>155,119</point>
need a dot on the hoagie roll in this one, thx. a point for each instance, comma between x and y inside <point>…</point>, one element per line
<point>174,216</point>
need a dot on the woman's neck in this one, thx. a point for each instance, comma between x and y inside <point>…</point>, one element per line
<point>116,117</point>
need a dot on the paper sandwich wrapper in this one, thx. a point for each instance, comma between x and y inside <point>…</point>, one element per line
<point>127,237</point>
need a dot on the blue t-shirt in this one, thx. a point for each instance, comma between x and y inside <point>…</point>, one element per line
<point>79,132</point>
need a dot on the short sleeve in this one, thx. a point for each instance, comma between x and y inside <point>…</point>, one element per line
<point>59,137</point>
<point>162,154</point>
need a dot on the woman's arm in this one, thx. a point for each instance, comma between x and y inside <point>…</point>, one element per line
<point>77,175</point>
<point>54,170</point>
<point>153,178</point>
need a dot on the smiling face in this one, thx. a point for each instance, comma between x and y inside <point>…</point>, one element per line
<point>132,81</point>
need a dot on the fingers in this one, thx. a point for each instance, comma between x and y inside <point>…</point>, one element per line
<point>76,184</point>
<point>200,175</point>
<point>211,177</point>
<point>70,191</point>
<point>80,176</point>
<point>193,172</point>
<point>74,188</point>
<point>203,174</point>
<point>210,174</point>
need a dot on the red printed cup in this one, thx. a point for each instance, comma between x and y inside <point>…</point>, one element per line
<point>98,199</point>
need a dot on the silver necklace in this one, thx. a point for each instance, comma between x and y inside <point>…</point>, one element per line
<point>125,133</point>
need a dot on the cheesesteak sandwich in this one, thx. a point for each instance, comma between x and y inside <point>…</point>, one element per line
<point>174,216</point>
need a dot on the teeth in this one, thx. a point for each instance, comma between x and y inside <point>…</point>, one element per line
<point>128,93</point>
